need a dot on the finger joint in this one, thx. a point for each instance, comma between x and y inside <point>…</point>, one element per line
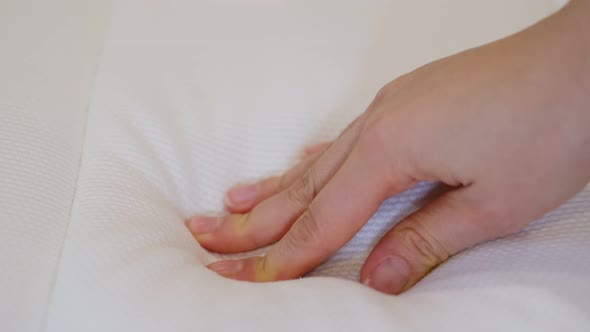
<point>306,233</point>
<point>302,191</point>
<point>425,248</point>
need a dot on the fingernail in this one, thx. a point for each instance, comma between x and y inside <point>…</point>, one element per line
<point>203,225</point>
<point>242,194</point>
<point>227,268</point>
<point>390,276</point>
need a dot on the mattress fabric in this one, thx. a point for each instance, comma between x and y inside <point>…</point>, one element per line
<point>48,56</point>
<point>120,119</point>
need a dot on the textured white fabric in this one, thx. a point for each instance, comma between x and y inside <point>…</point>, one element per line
<point>193,96</point>
<point>48,56</point>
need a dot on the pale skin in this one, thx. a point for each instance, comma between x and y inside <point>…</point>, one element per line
<point>505,125</point>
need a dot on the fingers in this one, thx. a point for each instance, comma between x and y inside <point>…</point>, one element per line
<point>243,198</point>
<point>269,220</point>
<point>336,214</point>
<point>427,238</point>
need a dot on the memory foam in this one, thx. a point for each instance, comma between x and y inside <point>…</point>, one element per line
<point>99,170</point>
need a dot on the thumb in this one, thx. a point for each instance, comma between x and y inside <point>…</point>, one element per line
<point>454,221</point>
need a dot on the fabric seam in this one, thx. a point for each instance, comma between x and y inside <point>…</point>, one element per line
<point>99,53</point>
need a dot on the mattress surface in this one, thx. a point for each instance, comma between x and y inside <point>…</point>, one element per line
<point>120,119</point>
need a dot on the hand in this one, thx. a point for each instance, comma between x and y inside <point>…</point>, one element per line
<point>507,125</point>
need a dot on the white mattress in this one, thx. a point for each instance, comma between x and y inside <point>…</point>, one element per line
<point>119,119</point>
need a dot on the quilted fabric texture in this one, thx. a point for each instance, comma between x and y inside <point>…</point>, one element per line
<point>136,114</point>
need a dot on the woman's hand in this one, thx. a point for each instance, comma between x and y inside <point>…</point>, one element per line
<point>507,125</point>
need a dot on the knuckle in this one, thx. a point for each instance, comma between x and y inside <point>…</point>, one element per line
<point>384,91</point>
<point>375,143</point>
<point>373,135</point>
<point>283,181</point>
<point>422,247</point>
<point>373,149</point>
<point>384,144</point>
<point>391,87</point>
<point>305,233</point>
<point>302,191</point>
<point>274,182</point>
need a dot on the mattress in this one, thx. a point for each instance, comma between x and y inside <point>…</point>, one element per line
<point>119,119</point>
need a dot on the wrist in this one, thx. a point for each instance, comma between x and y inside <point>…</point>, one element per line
<point>560,53</point>
<point>575,21</point>
<point>553,59</point>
